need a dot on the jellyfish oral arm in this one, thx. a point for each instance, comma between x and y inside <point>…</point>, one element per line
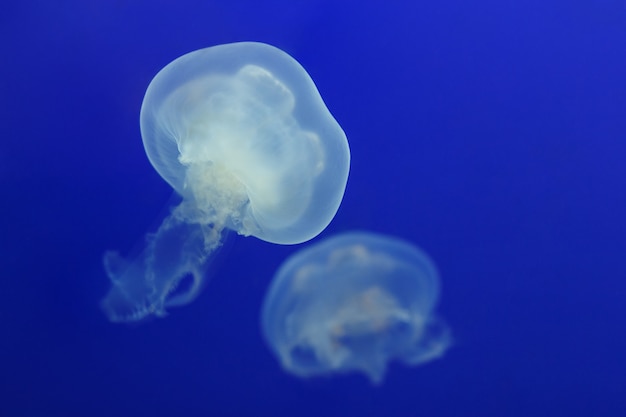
<point>146,285</point>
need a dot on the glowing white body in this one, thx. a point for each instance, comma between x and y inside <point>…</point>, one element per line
<point>242,134</point>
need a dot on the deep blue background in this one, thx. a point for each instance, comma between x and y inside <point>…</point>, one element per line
<point>490,133</point>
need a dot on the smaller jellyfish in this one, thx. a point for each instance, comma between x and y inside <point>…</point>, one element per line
<point>354,302</point>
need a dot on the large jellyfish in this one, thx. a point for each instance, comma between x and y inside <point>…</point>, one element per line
<point>353,303</point>
<point>242,135</point>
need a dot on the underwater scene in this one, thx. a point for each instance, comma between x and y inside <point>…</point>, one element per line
<point>316,208</point>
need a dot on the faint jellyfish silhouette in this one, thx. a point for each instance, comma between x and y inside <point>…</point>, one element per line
<point>242,135</point>
<point>353,303</point>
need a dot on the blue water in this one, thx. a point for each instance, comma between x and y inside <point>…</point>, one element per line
<point>491,134</point>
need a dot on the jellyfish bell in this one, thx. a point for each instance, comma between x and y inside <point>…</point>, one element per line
<point>242,130</point>
<point>242,134</point>
<point>354,302</point>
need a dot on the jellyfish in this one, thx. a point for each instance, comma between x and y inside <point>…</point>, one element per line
<point>242,135</point>
<point>353,303</point>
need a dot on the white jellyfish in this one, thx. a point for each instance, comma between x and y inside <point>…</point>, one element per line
<point>353,303</point>
<point>242,135</point>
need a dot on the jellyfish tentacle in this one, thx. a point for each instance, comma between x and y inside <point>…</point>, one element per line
<point>147,284</point>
